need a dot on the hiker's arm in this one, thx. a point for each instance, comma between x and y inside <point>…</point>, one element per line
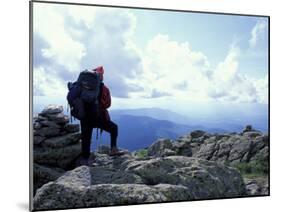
<point>106,98</point>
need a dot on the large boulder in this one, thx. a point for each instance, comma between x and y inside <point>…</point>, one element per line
<point>240,149</point>
<point>235,148</point>
<point>207,149</point>
<point>104,160</point>
<point>161,147</point>
<point>260,148</point>
<point>183,147</point>
<point>55,195</point>
<point>100,175</point>
<point>204,179</point>
<point>62,157</point>
<point>189,145</point>
<point>43,174</point>
<point>176,178</point>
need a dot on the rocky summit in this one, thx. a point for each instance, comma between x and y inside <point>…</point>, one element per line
<point>198,165</point>
<point>173,178</point>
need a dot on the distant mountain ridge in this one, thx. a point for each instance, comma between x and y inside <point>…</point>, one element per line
<point>229,121</point>
<point>137,132</point>
<point>138,128</point>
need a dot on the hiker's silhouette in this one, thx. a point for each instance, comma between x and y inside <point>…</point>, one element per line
<point>103,121</point>
<point>89,104</point>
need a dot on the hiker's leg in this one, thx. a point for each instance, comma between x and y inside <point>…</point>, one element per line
<point>111,128</point>
<point>86,131</point>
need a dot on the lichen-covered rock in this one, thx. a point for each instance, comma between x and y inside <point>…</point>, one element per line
<point>257,187</point>
<point>86,176</point>
<point>259,151</point>
<point>114,194</point>
<point>207,149</point>
<point>234,148</point>
<point>205,179</point>
<point>161,147</point>
<point>60,196</point>
<point>173,178</point>
<point>104,160</point>
<point>241,146</point>
<point>62,141</point>
<point>261,155</point>
<point>61,157</point>
<point>182,147</point>
<point>43,175</point>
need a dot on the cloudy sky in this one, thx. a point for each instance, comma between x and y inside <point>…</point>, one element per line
<point>151,58</point>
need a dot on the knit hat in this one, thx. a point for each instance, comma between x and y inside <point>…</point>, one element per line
<point>99,70</point>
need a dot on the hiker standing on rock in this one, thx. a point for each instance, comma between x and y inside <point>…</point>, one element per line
<point>92,114</point>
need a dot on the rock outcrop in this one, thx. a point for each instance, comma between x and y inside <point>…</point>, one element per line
<point>233,149</point>
<point>250,145</point>
<point>257,186</point>
<point>248,149</point>
<point>56,144</point>
<point>172,178</point>
<point>199,165</point>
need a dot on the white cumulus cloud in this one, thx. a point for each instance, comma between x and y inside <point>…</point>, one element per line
<point>68,39</point>
<point>258,32</point>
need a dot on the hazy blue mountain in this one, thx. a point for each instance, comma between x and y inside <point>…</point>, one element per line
<point>137,132</point>
<point>230,118</point>
<point>156,113</point>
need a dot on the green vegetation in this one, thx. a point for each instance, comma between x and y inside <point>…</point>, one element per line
<point>142,153</point>
<point>253,169</point>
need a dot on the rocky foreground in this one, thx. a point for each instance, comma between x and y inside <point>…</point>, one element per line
<point>198,165</point>
<point>56,145</point>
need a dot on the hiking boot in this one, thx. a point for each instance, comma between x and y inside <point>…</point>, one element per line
<point>116,152</point>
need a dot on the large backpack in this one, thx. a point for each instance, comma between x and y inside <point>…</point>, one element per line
<point>90,83</point>
<point>85,91</point>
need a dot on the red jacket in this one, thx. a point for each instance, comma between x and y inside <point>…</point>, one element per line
<point>105,103</point>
